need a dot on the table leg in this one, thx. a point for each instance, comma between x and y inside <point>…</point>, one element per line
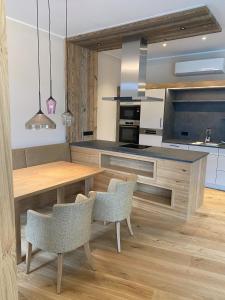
<point>18,236</point>
<point>88,185</point>
<point>60,195</point>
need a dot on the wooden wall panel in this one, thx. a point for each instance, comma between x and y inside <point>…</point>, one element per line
<point>177,25</point>
<point>8,284</point>
<point>82,82</point>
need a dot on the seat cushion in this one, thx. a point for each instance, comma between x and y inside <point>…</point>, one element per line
<point>47,154</point>
<point>18,159</point>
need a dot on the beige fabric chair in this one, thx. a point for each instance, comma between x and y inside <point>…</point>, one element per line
<point>66,229</point>
<point>115,205</point>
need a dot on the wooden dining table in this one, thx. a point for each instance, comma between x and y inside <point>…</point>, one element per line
<point>35,180</point>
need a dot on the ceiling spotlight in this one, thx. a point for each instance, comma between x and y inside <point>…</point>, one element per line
<point>182,28</point>
<point>204,38</point>
<point>164,44</point>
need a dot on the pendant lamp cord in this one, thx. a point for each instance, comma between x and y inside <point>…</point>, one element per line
<point>39,69</point>
<point>67,54</point>
<point>50,46</point>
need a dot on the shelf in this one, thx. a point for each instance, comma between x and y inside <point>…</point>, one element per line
<point>129,170</point>
<point>127,165</point>
<point>198,101</point>
<point>153,194</point>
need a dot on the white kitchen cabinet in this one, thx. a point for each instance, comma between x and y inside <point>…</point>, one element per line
<point>150,140</point>
<point>175,146</point>
<point>152,112</point>
<point>221,163</point>
<point>211,169</point>
<point>220,179</point>
<point>212,161</point>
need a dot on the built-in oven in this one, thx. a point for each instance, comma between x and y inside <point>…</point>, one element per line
<point>130,112</point>
<point>129,131</point>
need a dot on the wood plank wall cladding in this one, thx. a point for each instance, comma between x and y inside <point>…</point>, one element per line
<point>187,84</point>
<point>182,24</point>
<point>82,87</point>
<point>8,282</point>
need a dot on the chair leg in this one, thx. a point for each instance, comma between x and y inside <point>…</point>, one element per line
<point>118,236</point>
<point>28,257</point>
<point>59,272</point>
<point>129,226</point>
<point>89,256</point>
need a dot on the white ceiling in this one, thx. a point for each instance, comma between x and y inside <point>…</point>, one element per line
<point>90,15</point>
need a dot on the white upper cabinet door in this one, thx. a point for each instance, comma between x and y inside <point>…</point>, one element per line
<point>152,112</point>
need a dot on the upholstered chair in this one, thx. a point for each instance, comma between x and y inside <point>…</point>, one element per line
<point>115,205</point>
<point>66,229</point>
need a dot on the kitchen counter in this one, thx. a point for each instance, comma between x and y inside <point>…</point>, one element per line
<point>155,152</point>
<point>169,181</point>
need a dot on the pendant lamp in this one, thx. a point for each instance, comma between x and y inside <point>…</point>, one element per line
<point>67,116</point>
<point>51,102</point>
<point>39,120</point>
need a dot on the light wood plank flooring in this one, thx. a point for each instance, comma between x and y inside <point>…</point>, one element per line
<point>165,260</point>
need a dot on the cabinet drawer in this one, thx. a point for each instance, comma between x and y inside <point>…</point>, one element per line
<point>220,179</point>
<point>221,163</point>
<point>175,146</point>
<point>221,151</point>
<point>150,140</point>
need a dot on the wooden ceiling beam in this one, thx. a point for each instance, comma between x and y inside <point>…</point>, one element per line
<point>197,21</point>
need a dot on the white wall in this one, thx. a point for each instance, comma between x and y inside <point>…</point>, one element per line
<point>162,70</point>
<point>108,81</point>
<point>23,81</point>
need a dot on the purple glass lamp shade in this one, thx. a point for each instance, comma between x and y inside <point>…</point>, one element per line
<point>51,105</point>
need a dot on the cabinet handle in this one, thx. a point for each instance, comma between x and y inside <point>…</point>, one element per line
<point>160,123</point>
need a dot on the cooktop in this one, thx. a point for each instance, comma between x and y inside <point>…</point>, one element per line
<point>136,146</point>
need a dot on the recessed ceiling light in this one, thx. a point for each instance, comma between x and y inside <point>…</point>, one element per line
<point>204,38</point>
<point>182,28</point>
<point>164,44</point>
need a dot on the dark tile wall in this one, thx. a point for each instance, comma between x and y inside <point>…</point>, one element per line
<point>192,119</point>
<point>189,120</point>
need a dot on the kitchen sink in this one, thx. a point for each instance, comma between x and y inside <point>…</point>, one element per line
<point>209,144</point>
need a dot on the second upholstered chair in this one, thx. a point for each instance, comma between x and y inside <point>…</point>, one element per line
<point>66,229</point>
<point>115,205</point>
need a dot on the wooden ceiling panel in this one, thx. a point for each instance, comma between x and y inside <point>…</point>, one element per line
<point>183,24</point>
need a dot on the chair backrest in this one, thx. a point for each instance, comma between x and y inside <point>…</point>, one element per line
<point>123,191</point>
<point>72,224</point>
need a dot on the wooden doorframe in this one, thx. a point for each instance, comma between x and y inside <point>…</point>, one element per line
<point>8,278</point>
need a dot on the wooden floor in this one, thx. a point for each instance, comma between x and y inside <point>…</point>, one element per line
<point>166,260</point>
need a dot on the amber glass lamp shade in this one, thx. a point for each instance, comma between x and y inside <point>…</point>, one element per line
<point>40,121</point>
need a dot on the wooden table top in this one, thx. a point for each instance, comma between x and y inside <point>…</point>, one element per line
<point>34,180</point>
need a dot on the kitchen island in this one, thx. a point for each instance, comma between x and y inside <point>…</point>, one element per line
<point>169,181</point>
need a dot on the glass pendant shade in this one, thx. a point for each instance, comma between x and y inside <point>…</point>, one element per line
<point>51,105</point>
<point>67,118</point>
<point>40,121</point>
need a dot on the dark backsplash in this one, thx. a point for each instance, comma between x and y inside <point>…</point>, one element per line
<point>189,120</point>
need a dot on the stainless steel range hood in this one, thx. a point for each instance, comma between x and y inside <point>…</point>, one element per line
<point>133,72</point>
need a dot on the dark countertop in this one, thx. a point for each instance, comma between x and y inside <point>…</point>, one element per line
<point>155,152</point>
<point>190,142</point>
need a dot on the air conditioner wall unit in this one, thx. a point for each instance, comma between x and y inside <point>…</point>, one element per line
<point>200,67</point>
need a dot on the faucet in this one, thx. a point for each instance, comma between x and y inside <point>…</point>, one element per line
<point>208,133</point>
